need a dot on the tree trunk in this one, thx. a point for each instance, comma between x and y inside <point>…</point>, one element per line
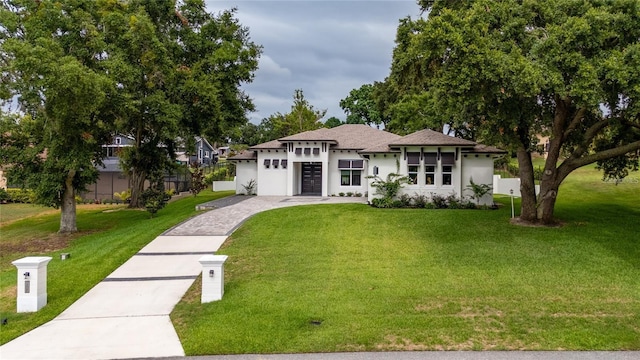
<point>137,187</point>
<point>528,211</point>
<point>68,207</point>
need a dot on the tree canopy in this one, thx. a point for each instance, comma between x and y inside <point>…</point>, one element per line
<point>83,71</point>
<point>361,107</point>
<point>503,72</point>
<point>302,117</point>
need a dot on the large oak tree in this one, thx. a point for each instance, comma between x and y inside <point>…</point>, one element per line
<point>51,60</point>
<point>504,72</point>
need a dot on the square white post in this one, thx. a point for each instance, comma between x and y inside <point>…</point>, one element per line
<point>32,283</point>
<point>212,277</point>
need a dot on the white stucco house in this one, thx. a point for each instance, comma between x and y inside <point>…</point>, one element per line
<point>327,162</point>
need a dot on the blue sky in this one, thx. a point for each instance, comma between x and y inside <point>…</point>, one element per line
<point>325,48</point>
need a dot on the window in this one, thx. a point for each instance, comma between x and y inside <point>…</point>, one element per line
<point>199,153</point>
<point>350,177</point>
<point>413,162</point>
<point>307,151</point>
<point>284,163</point>
<point>350,172</point>
<point>267,162</point>
<point>446,174</point>
<point>430,163</point>
<point>430,174</point>
<point>206,154</point>
<point>118,140</point>
<point>298,151</point>
<point>275,163</point>
<point>413,173</point>
<point>316,151</point>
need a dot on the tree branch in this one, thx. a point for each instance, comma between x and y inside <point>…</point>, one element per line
<point>574,122</point>
<point>571,164</point>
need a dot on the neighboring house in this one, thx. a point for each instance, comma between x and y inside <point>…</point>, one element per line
<point>204,154</point>
<point>111,179</point>
<point>327,162</point>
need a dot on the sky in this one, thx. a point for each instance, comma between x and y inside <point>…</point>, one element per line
<point>325,48</point>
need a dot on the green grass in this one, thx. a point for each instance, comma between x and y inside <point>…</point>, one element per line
<point>106,240</point>
<point>352,278</point>
<point>13,212</point>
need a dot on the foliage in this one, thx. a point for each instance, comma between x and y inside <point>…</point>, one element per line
<point>502,72</point>
<point>361,107</point>
<point>478,190</point>
<point>52,64</point>
<point>124,195</point>
<point>332,122</point>
<point>197,181</point>
<point>4,196</point>
<point>250,187</point>
<point>389,187</point>
<point>155,197</point>
<point>23,196</point>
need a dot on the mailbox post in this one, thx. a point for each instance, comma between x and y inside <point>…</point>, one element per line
<point>32,283</point>
<point>212,277</point>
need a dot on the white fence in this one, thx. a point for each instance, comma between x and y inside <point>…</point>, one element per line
<point>224,185</point>
<point>505,186</point>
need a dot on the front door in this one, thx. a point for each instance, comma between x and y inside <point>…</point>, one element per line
<point>311,178</point>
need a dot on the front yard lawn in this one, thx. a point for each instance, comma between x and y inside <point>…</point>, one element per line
<point>328,278</point>
<point>108,236</point>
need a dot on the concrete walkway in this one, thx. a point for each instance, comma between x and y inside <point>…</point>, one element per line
<point>127,314</point>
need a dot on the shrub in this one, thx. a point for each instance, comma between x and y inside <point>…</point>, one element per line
<point>357,194</point>
<point>478,190</point>
<point>349,194</point>
<point>439,201</point>
<point>154,199</point>
<point>420,201</point>
<point>123,195</point>
<point>250,187</point>
<point>4,196</point>
<point>197,181</point>
<point>24,196</point>
<point>341,193</point>
<point>405,200</point>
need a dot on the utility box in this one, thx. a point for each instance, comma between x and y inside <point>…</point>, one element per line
<point>212,277</point>
<point>32,283</point>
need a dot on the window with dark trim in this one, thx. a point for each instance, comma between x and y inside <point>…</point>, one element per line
<point>267,162</point>
<point>284,163</point>
<point>298,151</point>
<point>430,164</point>
<point>350,172</point>
<point>275,163</point>
<point>446,174</point>
<point>307,151</point>
<point>413,162</point>
<point>316,151</point>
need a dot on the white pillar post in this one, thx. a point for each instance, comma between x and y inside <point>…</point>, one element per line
<point>32,283</point>
<point>212,277</point>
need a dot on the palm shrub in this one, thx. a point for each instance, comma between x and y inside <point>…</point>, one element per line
<point>478,190</point>
<point>388,188</point>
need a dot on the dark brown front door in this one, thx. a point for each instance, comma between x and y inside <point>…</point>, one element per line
<point>312,178</point>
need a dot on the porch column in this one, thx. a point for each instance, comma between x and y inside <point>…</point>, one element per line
<point>290,177</point>
<point>325,178</point>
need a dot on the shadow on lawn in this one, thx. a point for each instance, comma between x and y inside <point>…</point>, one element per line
<point>621,225</point>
